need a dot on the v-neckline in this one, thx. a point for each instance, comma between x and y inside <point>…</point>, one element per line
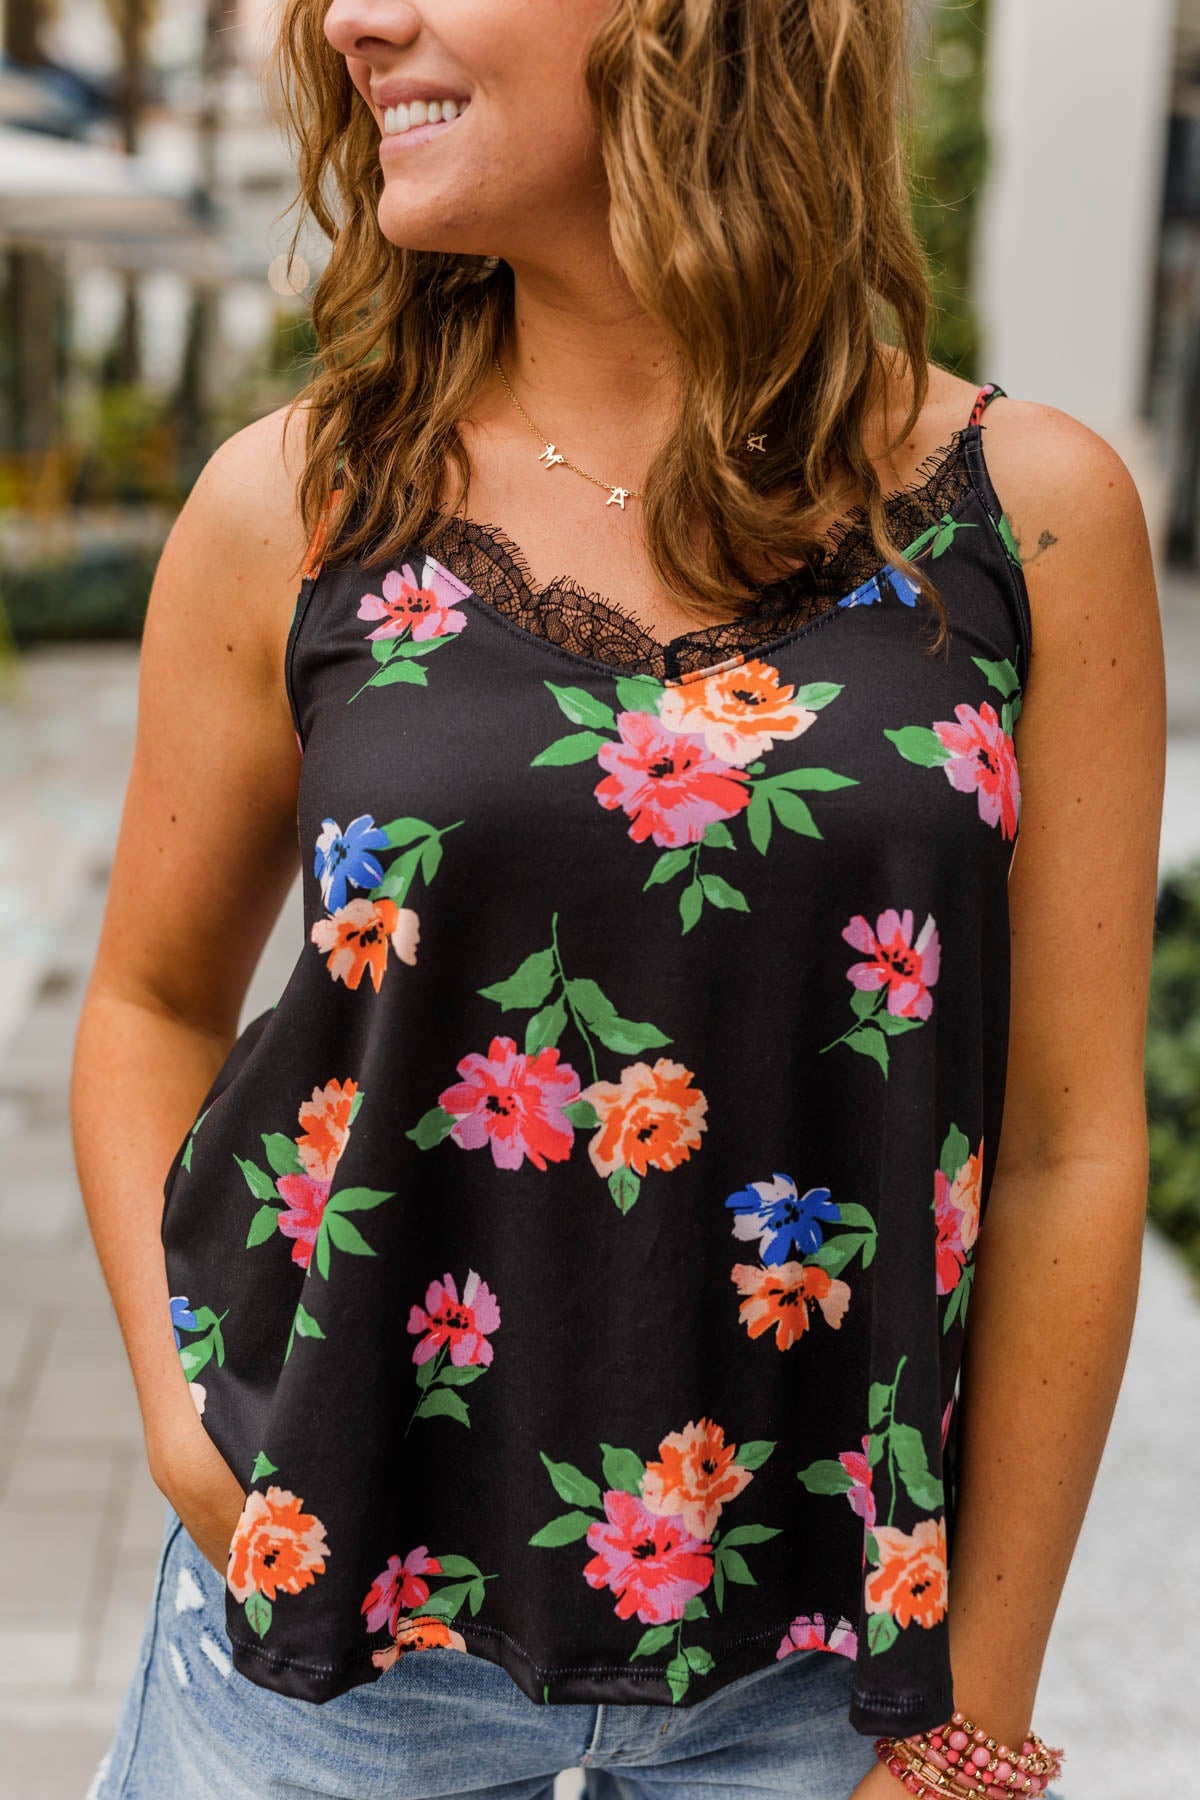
<point>947,465</point>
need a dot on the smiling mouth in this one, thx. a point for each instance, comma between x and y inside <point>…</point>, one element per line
<point>420,115</point>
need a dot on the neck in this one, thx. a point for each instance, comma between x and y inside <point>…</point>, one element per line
<point>594,372</point>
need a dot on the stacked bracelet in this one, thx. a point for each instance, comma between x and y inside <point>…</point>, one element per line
<point>960,1760</point>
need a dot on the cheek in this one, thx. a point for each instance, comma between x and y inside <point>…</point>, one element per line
<point>512,174</point>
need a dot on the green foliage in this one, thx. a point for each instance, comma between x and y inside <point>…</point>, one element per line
<point>949,157</point>
<point>102,595</point>
<point>1173,1063</point>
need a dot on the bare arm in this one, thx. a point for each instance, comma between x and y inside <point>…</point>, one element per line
<point>205,856</point>
<point>1059,1254</point>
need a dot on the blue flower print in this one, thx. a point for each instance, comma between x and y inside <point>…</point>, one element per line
<point>182,1317</point>
<point>871,592</point>
<point>784,1221</point>
<point>345,856</point>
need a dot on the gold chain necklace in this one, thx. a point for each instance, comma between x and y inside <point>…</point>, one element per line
<point>551,456</point>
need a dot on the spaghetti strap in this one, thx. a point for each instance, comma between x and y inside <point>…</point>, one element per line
<point>983,399</point>
<point>320,537</point>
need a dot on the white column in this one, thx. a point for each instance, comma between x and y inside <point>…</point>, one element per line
<point>1077,99</point>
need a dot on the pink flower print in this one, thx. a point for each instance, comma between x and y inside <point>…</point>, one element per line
<point>649,1560</point>
<point>983,760</point>
<point>956,1211</point>
<point>862,1495</point>
<point>907,970</point>
<point>946,1419</point>
<point>514,1102</point>
<point>807,1632</point>
<point>301,1220</point>
<point>425,607</point>
<point>463,1324</point>
<point>398,1587</point>
<point>670,784</point>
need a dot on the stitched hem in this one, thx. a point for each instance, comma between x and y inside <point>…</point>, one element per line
<point>470,1629</point>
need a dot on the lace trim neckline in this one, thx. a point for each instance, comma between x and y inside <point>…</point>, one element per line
<point>591,626</point>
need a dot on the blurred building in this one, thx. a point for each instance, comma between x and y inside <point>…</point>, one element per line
<point>1088,258</point>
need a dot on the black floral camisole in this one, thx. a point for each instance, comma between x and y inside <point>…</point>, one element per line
<point>574,1263</point>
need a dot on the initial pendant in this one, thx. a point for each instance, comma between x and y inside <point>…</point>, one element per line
<point>618,496</point>
<point>550,456</point>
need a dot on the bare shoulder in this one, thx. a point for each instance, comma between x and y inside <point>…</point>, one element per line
<point>231,564</point>
<point>1076,518</point>
<point>244,502</point>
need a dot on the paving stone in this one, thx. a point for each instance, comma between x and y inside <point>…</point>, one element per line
<point>85,1392</point>
<point>37,1654</point>
<point>48,1555</point>
<point>57,1478</point>
<point>34,1774</point>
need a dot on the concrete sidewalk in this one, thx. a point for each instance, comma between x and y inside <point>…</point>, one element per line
<point>79,1518</point>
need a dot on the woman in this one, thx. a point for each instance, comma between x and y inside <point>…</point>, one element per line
<point>572,1269</point>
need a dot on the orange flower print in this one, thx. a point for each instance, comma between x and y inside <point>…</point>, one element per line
<point>741,713</point>
<point>276,1547</point>
<point>651,1118</point>
<point>696,1474</point>
<point>910,1583</point>
<point>962,1197</point>
<point>424,1633</point>
<point>355,939</point>
<point>325,1127</point>
<point>781,1299</point>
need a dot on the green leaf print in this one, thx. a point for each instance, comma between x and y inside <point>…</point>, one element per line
<point>431,1128</point>
<point>919,744</point>
<point>638,693</point>
<point>263,1225</point>
<point>258,1610</point>
<point>754,1452</point>
<point>624,1186</point>
<point>622,1468</point>
<point>721,893</point>
<point>956,1149</point>
<point>583,708</point>
<point>882,1632</point>
<point>572,1485</point>
<point>283,1153</point>
<point>346,1235</point>
<point>924,1488</point>
<point>817,695</point>
<point>441,1402</point>
<point>568,1528</point>
<point>262,1466</point>
<point>653,1640</point>
<point>1001,675</point>
<point>1008,539</point>
<point>576,747</point>
<point>826,1476</point>
<point>529,985</point>
<point>869,1042</point>
<point>546,1027</point>
<point>261,1185</point>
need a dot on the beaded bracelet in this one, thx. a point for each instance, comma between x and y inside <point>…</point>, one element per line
<point>960,1760</point>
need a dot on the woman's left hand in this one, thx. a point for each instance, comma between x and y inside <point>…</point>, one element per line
<point>878,1784</point>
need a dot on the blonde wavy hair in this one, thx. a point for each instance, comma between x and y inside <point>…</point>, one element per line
<point>776,267</point>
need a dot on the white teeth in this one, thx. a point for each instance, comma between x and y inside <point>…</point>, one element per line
<point>421,112</point>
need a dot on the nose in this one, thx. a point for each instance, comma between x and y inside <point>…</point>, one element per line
<point>370,29</point>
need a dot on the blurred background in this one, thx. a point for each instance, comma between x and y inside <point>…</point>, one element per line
<point>146,312</point>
